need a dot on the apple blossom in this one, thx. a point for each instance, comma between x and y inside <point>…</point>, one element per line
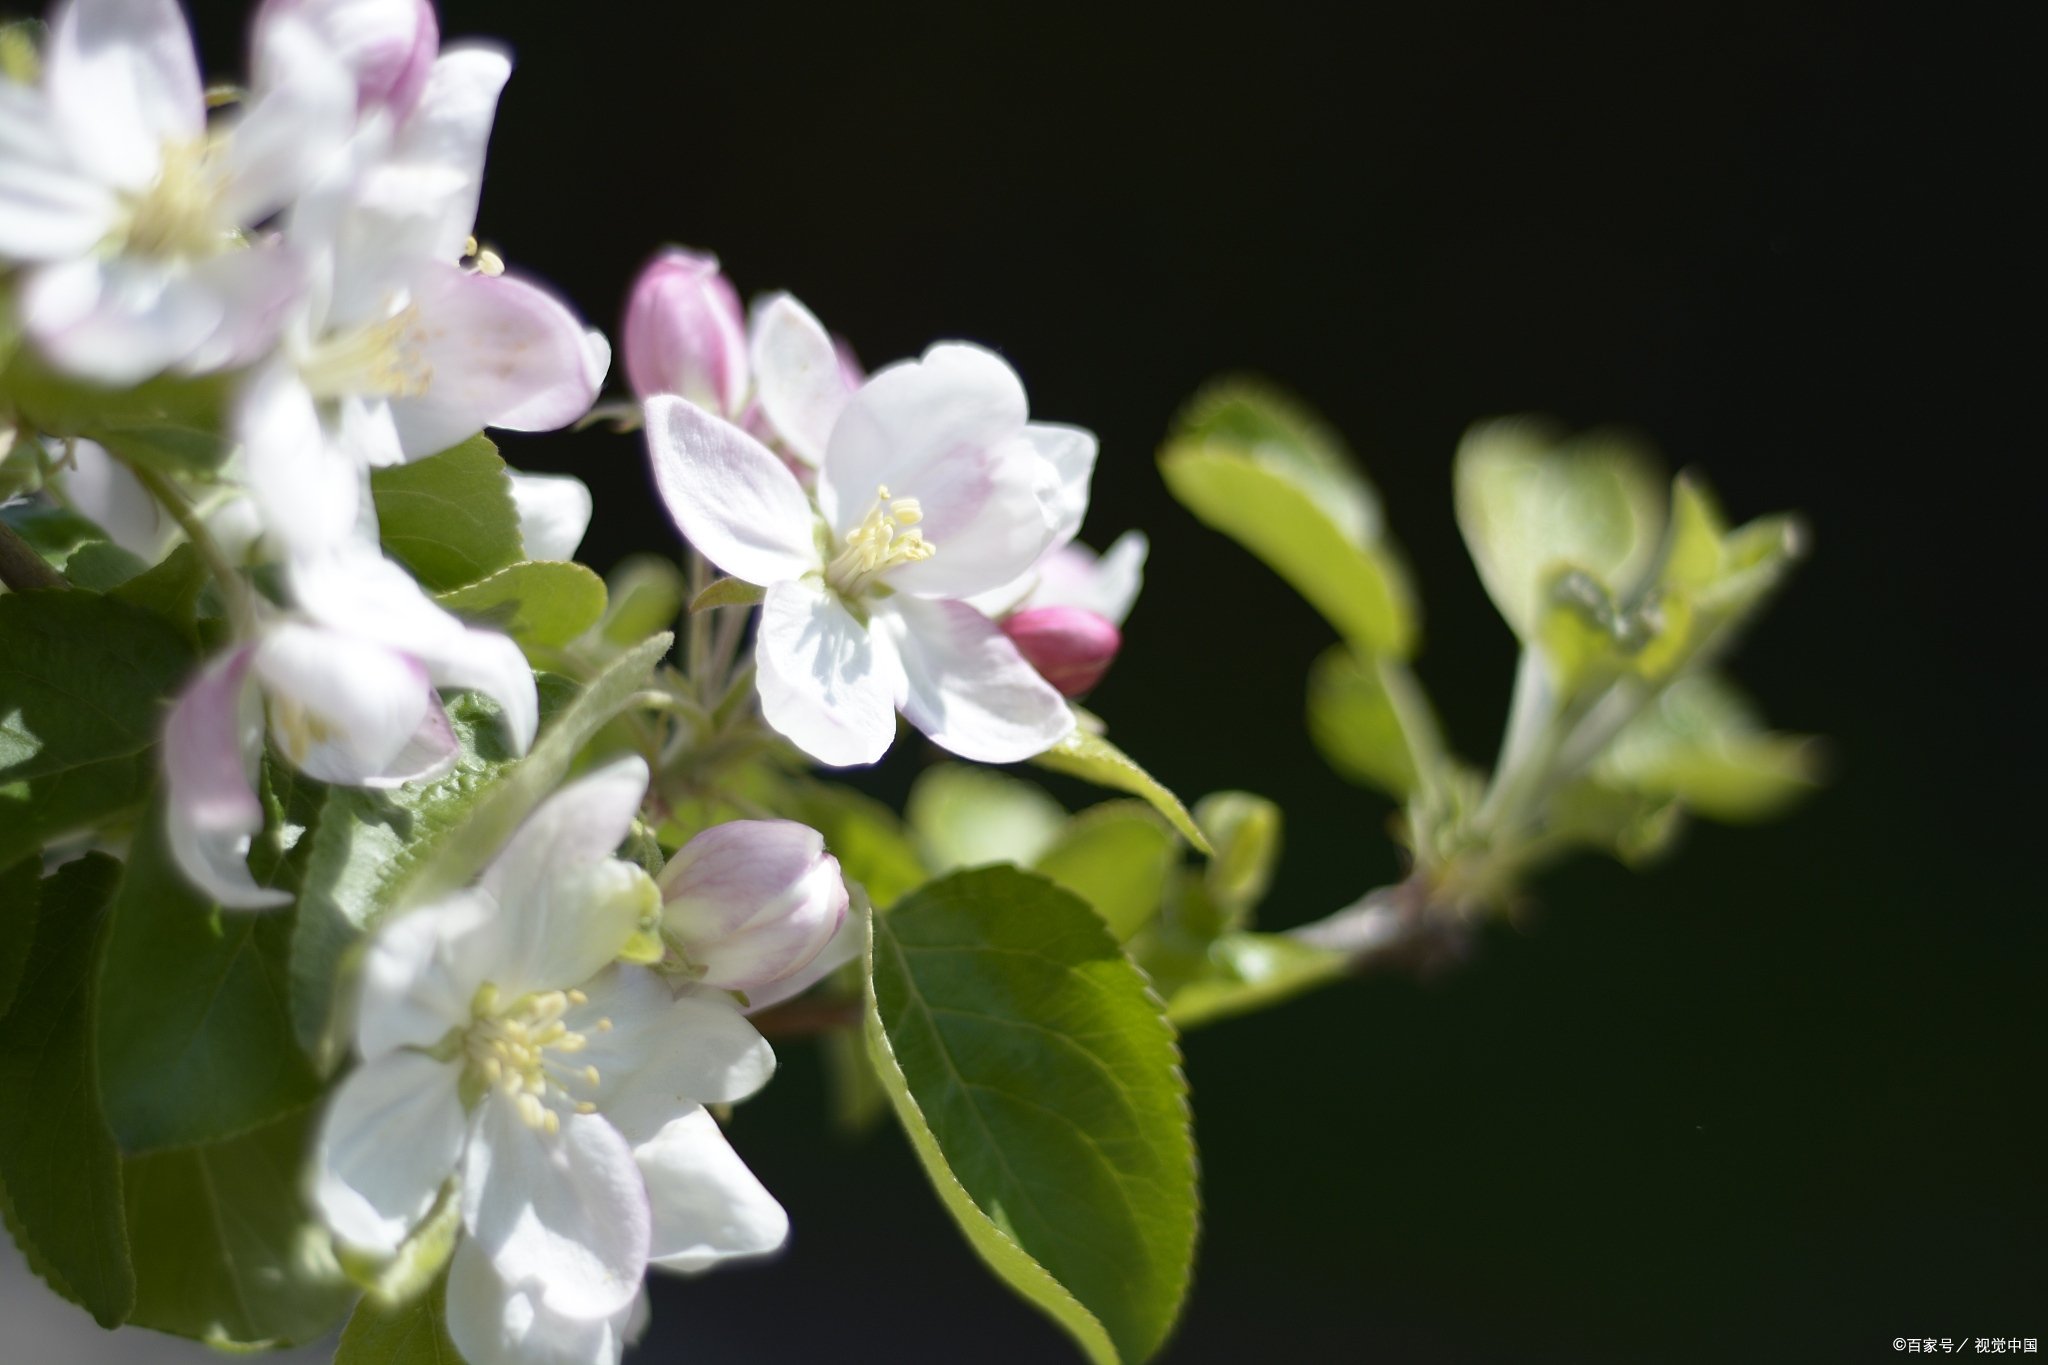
<point>133,215</point>
<point>1064,614</point>
<point>685,334</point>
<point>347,684</point>
<point>388,46</point>
<point>751,903</point>
<point>504,1046</point>
<point>933,487</point>
<point>803,378</point>
<point>554,513</point>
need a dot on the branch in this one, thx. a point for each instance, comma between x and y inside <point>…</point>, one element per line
<point>1393,928</point>
<point>21,568</point>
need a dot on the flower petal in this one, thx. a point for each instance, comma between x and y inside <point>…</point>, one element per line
<point>393,1133</point>
<point>105,490</point>
<point>684,333</point>
<point>119,320</point>
<point>422,972</point>
<point>428,756</point>
<point>123,80</point>
<point>502,352</point>
<point>304,110</point>
<point>1070,451</point>
<point>450,131</point>
<point>564,1213</point>
<point>845,945</point>
<point>827,682</point>
<point>554,513</point>
<point>707,1206</point>
<point>388,46</point>
<point>699,1050</point>
<point>968,688</point>
<point>50,210</point>
<point>1072,576</point>
<point>341,709</point>
<point>582,823</point>
<point>797,369</point>
<point>309,493</point>
<point>495,1323</point>
<point>211,743</point>
<point>729,495</point>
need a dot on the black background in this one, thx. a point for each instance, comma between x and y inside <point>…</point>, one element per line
<point>1781,1098</point>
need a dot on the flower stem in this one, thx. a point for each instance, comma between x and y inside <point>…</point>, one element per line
<point>21,568</point>
<point>241,604</point>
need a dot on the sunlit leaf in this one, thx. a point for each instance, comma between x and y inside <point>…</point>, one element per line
<point>411,1333</point>
<point>1094,759</point>
<point>450,518</point>
<point>964,816</point>
<point>537,602</point>
<point>1117,857</point>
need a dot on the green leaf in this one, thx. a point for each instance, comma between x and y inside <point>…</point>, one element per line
<point>20,886</point>
<point>412,1333</point>
<point>102,565</point>
<point>870,842</point>
<point>167,446</point>
<point>82,683</point>
<point>964,816</point>
<point>1117,857</point>
<point>450,518</point>
<point>1040,1086</point>
<point>727,592</point>
<point>1701,743</point>
<point>1094,759</point>
<point>53,532</point>
<point>645,594</point>
<point>1252,972</point>
<point>1533,506</point>
<point>195,1028</point>
<point>165,422</point>
<point>225,1249</point>
<point>538,602</point>
<point>171,590</point>
<point>58,1161</point>
<point>1271,477</point>
<point>1354,724</point>
<point>1245,831</point>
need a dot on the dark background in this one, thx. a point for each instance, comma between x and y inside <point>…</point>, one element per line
<point>1781,1099</point>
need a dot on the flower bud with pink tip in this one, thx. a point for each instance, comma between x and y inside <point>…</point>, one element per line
<point>1070,647</point>
<point>389,46</point>
<point>686,333</point>
<point>752,902</point>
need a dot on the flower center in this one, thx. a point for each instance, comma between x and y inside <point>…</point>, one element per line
<point>381,359</point>
<point>179,214</point>
<point>883,541</point>
<point>523,1051</point>
<point>295,728</point>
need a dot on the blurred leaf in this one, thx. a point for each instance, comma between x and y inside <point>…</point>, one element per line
<point>1094,759</point>
<point>644,594</point>
<point>167,420</point>
<point>1634,826</point>
<point>1029,1063</point>
<point>171,590</point>
<point>1245,831</point>
<point>195,1030</point>
<point>727,592</point>
<point>58,1162</point>
<point>166,446</point>
<point>858,1097</point>
<point>450,518</point>
<point>83,679</point>
<point>224,1246</point>
<point>1701,743</point>
<point>1259,469</point>
<point>1354,724</point>
<point>20,888</point>
<point>1533,506</point>
<point>964,816</point>
<point>1117,857</point>
<point>102,565</point>
<point>412,1333</point>
<point>51,531</point>
<point>871,843</point>
<point>538,602</point>
<point>1251,972</point>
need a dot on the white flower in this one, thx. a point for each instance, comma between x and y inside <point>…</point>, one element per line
<point>133,214</point>
<point>803,378</point>
<point>502,1045</point>
<point>752,902</point>
<point>348,684</point>
<point>1072,575</point>
<point>933,487</point>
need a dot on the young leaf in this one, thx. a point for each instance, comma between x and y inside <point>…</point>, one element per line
<point>1352,719</point>
<point>58,1162</point>
<point>20,887</point>
<point>171,590</point>
<point>169,447</point>
<point>450,518</point>
<point>1701,743</point>
<point>644,594</point>
<point>1117,857</point>
<point>1094,759</point>
<point>1251,972</point>
<point>411,1333</point>
<point>224,1248</point>
<point>538,602</point>
<point>1245,830</point>
<point>101,565</point>
<point>964,816</point>
<point>727,592</point>
<point>1029,1063</point>
<point>82,681</point>
<point>53,532</point>
<point>195,1032</point>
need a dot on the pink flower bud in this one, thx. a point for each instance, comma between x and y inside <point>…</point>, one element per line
<point>1071,648</point>
<point>685,333</point>
<point>388,45</point>
<point>752,902</point>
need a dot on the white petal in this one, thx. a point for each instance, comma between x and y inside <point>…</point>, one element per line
<point>341,709</point>
<point>729,495</point>
<point>429,755</point>
<point>451,130</point>
<point>846,944</point>
<point>827,682</point>
<point>422,972</point>
<point>968,688</point>
<point>698,1050</point>
<point>255,290</point>
<point>367,434</point>
<point>1110,589</point>
<point>309,492</point>
<point>554,513</point>
<point>123,79</point>
<point>493,1323</point>
<point>1071,453</point>
<point>707,1205</point>
<point>120,320</point>
<point>211,745</point>
<point>393,1133</point>
<point>104,489</point>
<point>797,372</point>
<point>49,209</point>
<point>565,1213</point>
<point>582,823</point>
<point>302,115</point>
<point>502,353</point>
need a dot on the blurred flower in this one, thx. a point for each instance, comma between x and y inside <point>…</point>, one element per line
<point>106,492</point>
<point>387,46</point>
<point>554,513</point>
<point>933,487</point>
<point>348,685</point>
<point>751,902</point>
<point>503,1044</point>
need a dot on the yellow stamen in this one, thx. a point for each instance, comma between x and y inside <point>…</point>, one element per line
<point>883,541</point>
<point>382,359</point>
<point>518,1051</point>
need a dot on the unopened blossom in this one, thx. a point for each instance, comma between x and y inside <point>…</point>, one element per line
<point>933,487</point>
<point>750,903</point>
<point>686,334</point>
<point>1065,613</point>
<point>345,686</point>
<point>133,215</point>
<point>505,1048</point>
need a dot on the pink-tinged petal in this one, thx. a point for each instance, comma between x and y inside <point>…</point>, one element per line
<point>752,901</point>
<point>1070,452</point>
<point>564,1212</point>
<point>1072,576</point>
<point>1070,647</point>
<point>554,513</point>
<point>393,1133</point>
<point>685,334</point>
<point>597,358</point>
<point>493,1322</point>
<point>123,80</point>
<point>428,756</point>
<point>341,708</point>
<point>708,1207</point>
<point>803,387</point>
<point>256,289</point>
<point>502,353</point>
<point>729,495</point>
<point>304,110</point>
<point>387,46</point>
<point>845,945</point>
<point>119,320</point>
<point>449,131</point>
<point>422,972</point>
<point>828,684</point>
<point>309,493</point>
<point>110,495</point>
<point>49,209</point>
<point>968,688</point>
<point>211,745</point>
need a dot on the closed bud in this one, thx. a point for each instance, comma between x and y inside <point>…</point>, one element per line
<point>752,902</point>
<point>686,334</point>
<point>1070,647</point>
